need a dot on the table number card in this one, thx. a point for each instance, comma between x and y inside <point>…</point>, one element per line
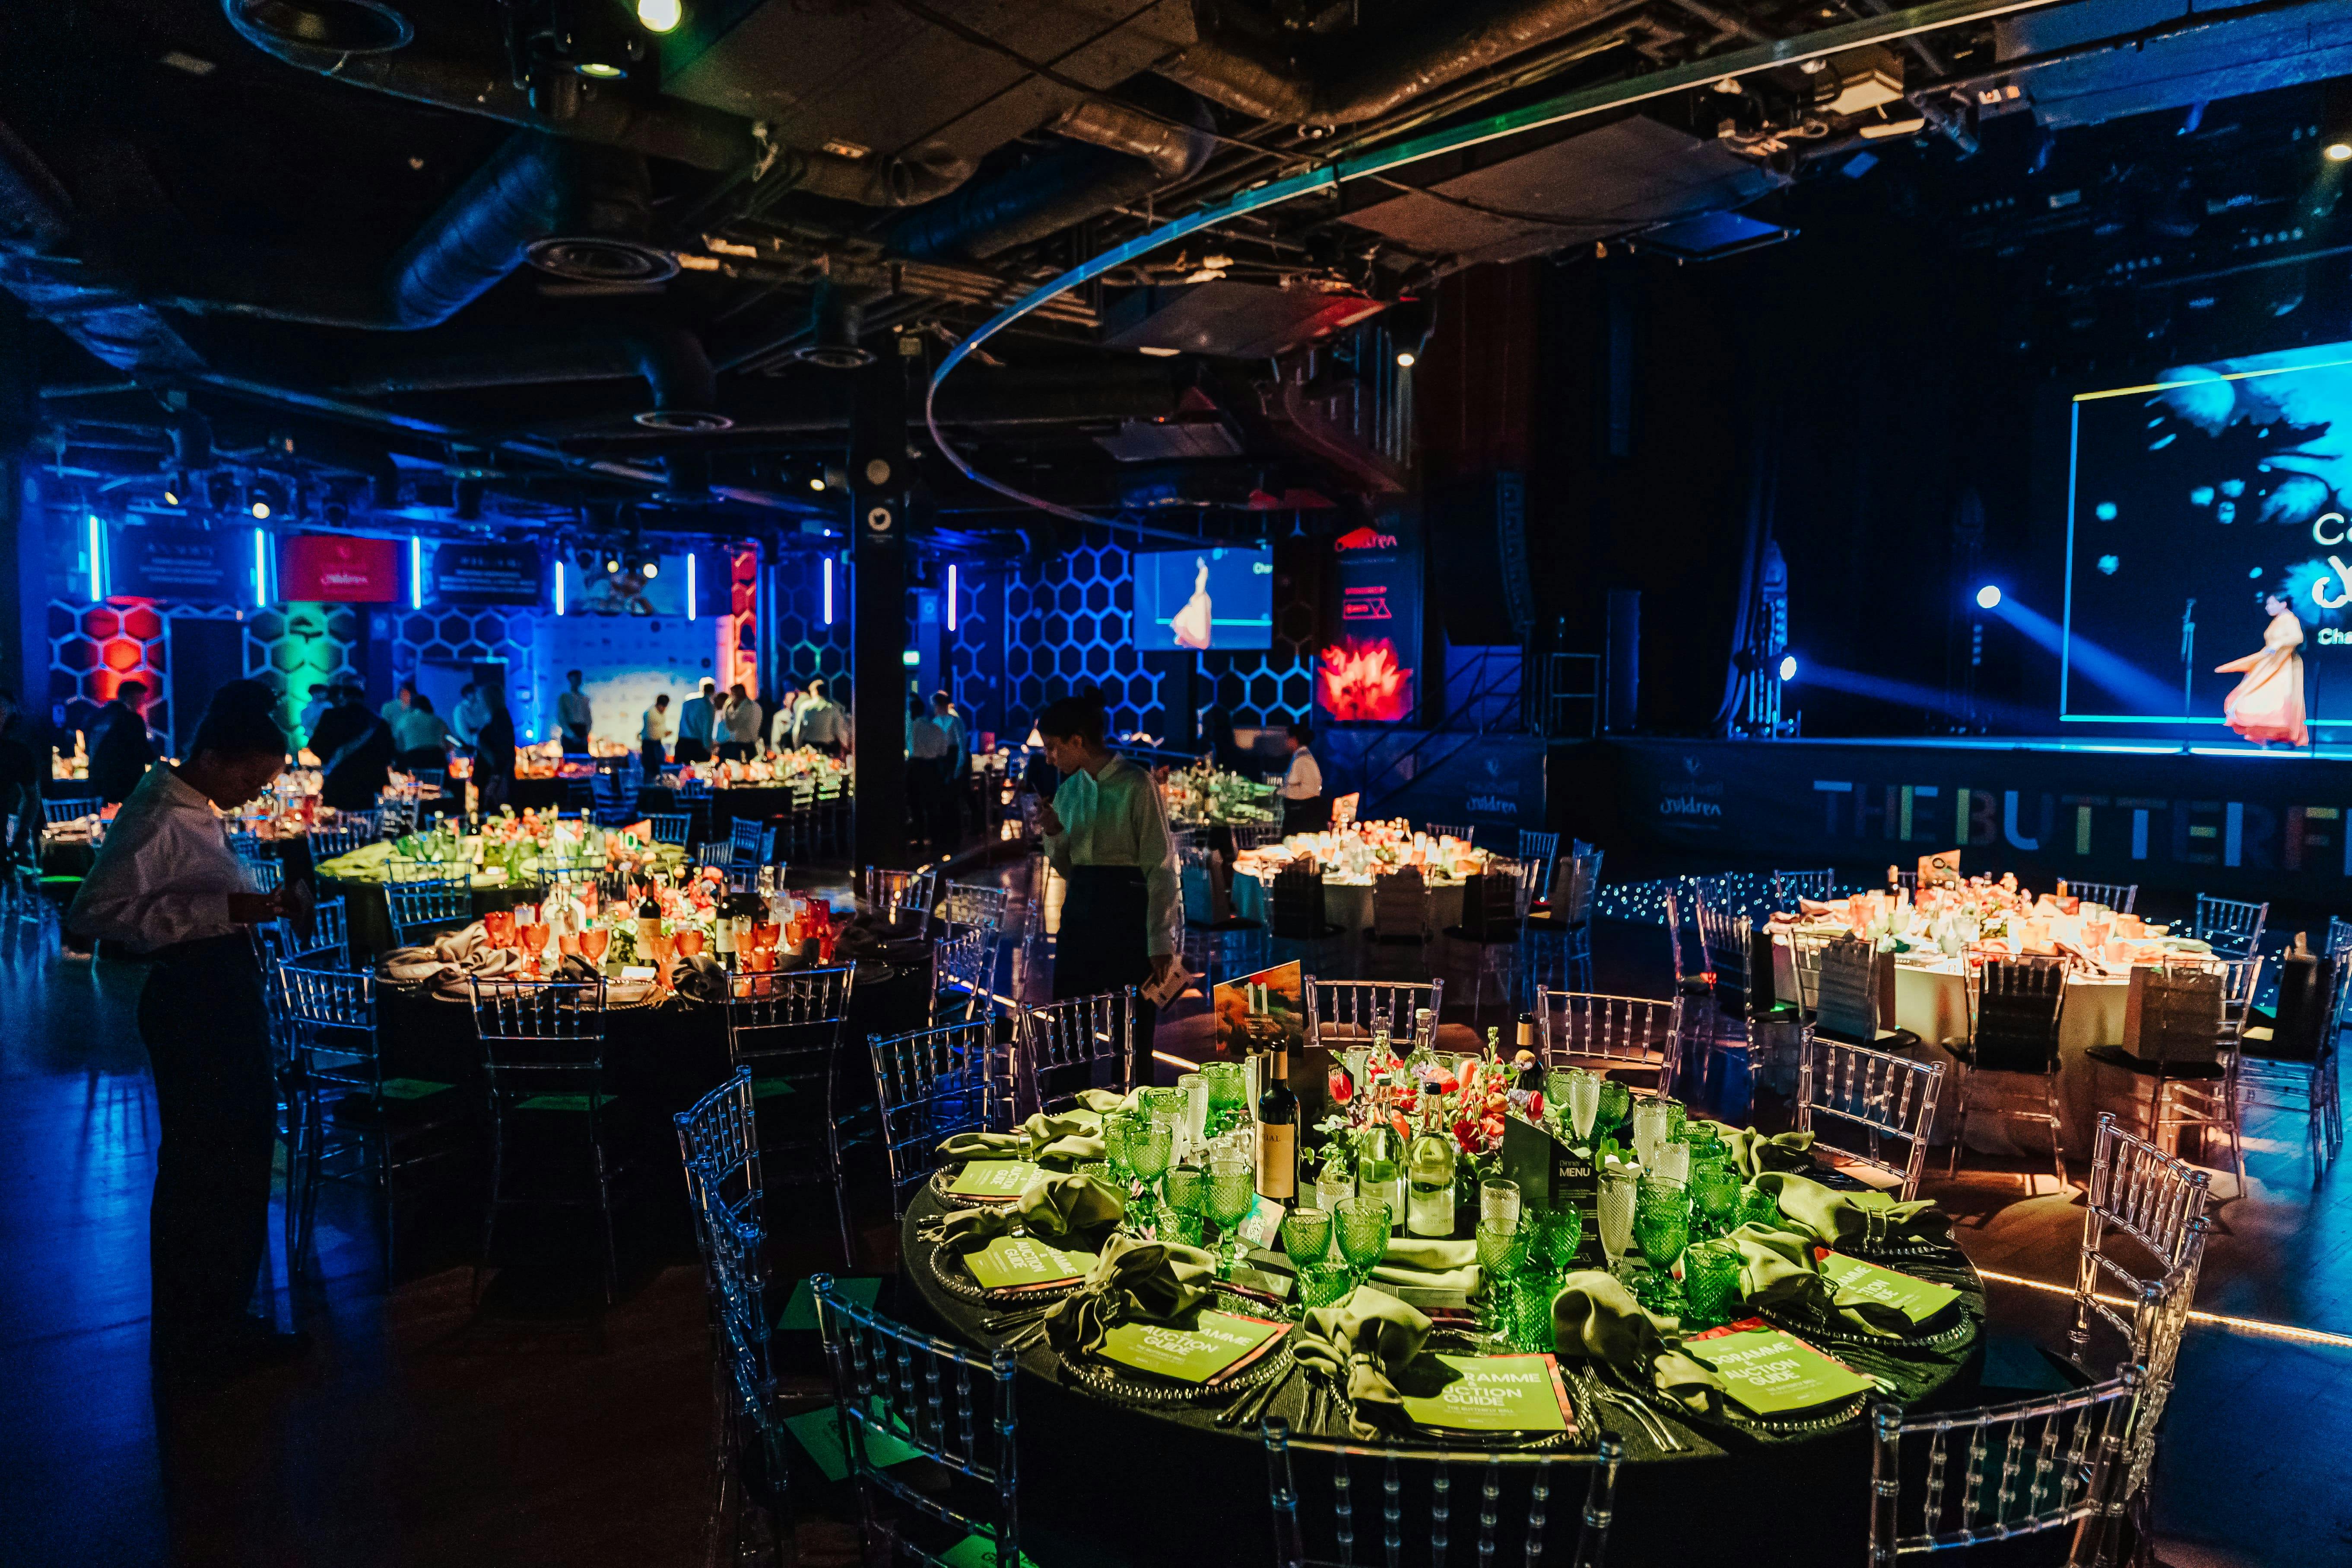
<point>1010,1262</point>
<point>1492,1394</point>
<point>1854,1280</point>
<point>1221,1342</point>
<point>992,1178</point>
<point>1770,1373</point>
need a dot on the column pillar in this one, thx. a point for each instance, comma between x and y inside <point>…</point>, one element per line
<point>878,471</point>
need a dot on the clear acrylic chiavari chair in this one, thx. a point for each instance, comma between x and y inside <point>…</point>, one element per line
<point>786,1027</point>
<point>1382,1537</point>
<point>931,1084</point>
<point>968,907</point>
<point>2231,927</point>
<point>1449,830</point>
<point>1601,1033</point>
<point>544,1057</point>
<point>963,978</point>
<point>719,1147</point>
<point>952,1405</point>
<point>1886,1096</point>
<point>2117,896</point>
<point>423,911</point>
<point>1341,1013</point>
<point>2014,1010</point>
<point>899,896</point>
<point>1061,1046</point>
<point>1787,887</point>
<point>2150,1204</point>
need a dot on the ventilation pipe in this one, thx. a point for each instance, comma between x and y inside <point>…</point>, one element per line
<point>1244,76</point>
<point>681,388</point>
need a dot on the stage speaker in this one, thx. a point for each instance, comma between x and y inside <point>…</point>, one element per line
<point>1624,674</point>
<point>1478,541</point>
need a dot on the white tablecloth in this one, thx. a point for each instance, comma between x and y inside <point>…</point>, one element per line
<point>1348,905</point>
<point>1932,1002</point>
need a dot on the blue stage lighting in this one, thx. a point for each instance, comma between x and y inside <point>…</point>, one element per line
<point>1788,667</point>
<point>1988,597</point>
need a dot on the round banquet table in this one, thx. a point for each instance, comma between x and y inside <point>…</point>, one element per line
<point>368,913</point>
<point>728,803</point>
<point>1348,905</point>
<point>1931,1000</point>
<point>1088,1462</point>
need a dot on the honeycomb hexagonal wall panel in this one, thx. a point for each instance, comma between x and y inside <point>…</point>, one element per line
<point>806,648</point>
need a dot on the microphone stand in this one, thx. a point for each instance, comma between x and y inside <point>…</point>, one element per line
<point>2188,655</point>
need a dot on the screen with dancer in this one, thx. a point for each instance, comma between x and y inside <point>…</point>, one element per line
<point>2209,573</point>
<point>1211,597</point>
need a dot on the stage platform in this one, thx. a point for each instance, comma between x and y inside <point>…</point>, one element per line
<point>2179,817</point>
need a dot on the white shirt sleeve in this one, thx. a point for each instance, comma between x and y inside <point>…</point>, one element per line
<point>163,875</point>
<point>1305,780</point>
<point>1155,852</point>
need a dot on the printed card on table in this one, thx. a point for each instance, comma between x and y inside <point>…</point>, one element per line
<point>1770,1373</point>
<point>992,1178</point>
<point>1492,1393</point>
<point>1220,1343</point>
<point>1918,1300</point>
<point>1010,1262</point>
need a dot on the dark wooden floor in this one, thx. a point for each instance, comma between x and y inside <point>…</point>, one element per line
<point>537,1431</point>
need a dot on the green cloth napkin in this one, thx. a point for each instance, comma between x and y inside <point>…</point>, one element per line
<point>1051,1208</point>
<point>1863,1219</point>
<point>1364,1344</point>
<point>1777,1267</point>
<point>1067,1138</point>
<point>1427,1264</point>
<point>1595,1318</point>
<point>1753,1151</point>
<point>1131,1278</point>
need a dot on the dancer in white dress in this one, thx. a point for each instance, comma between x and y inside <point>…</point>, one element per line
<point>1191,625</point>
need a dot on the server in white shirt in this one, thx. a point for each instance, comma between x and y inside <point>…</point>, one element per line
<point>1106,835</point>
<point>650,738</point>
<point>167,886</point>
<point>574,714</point>
<point>1305,808</point>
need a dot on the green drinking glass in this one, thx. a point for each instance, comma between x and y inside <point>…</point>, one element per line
<point>1661,1229</point>
<point>1184,1187</point>
<point>1118,1135</point>
<point>1306,1237</point>
<point>1715,1193</point>
<point>1325,1284</point>
<point>1099,1170</point>
<point>1758,1207</point>
<point>1149,1149</point>
<point>1364,1225</point>
<point>1563,1234</point>
<point>1532,1323</point>
<point>1226,1101</point>
<point>1178,1225</point>
<point>1501,1247</point>
<point>1232,1193</point>
<point>1616,1108</point>
<point>1710,1284</point>
<point>1677,1114</point>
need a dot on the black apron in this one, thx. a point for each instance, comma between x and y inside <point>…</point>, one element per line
<point>209,1042</point>
<point>1312,814</point>
<point>1101,945</point>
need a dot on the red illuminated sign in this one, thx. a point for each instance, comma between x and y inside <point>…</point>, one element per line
<point>338,571</point>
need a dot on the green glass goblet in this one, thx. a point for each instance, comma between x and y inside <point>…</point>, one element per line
<point>1325,1284</point>
<point>1232,1193</point>
<point>1661,1227</point>
<point>1363,1233</point>
<point>1178,1225</point>
<point>1306,1237</point>
<point>1563,1234</point>
<point>1616,1108</point>
<point>1715,1193</point>
<point>1531,1320</point>
<point>1118,1135</point>
<point>1501,1250</point>
<point>1710,1284</point>
<point>1149,1149</point>
<point>1758,1207</point>
<point>1184,1187</point>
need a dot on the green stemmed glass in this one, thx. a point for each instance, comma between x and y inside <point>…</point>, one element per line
<point>1225,1097</point>
<point>1232,1192</point>
<point>1616,1107</point>
<point>1661,1230</point>
<point>1758,1207</point>
<point>1710,1284</point>
<point>1149,1149</point>
<point>1677,1113</point>
<point>1325,1285</point>
<point>1177,1224</point>
<point>1615,1215</point>
<point>1563,1234</point>
<point>1715,1193</point>
<point>1501,1250</point>
<point>1183,1188</point>
<point>1307,1238</point>
<point>1363,1233</point>
<point>1119,1136</point>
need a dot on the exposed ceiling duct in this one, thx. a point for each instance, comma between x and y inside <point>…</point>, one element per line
<point>683,390</point>
<point>1246,76</point>
<point>1123,155</point>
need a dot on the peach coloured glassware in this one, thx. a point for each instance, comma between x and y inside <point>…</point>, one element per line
<point>499,927</point>
<point>690,943</point>
<point>592,943</point>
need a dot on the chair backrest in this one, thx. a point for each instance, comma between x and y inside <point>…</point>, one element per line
<point>2233,926</point>
<point>1062,1043</point>
<point>330,924</point>
<point>898,895</point>
<point>59,813</point>
<point>268,875</point>
<point>1524,1540</point>
<point>2116,896</point>
<point>963,977</point>
<point>424,908</point>
<point>1787,887</point>
<point>332,1017</point>
<point>1724,943</point>
<point>1573,1025</point>
<point>539,1033</point>
<point>1296,903</point>
<point>1537,847</point>
<point>1886,1095</point>
<point>1449,830</point>
<point>1673,915</point>
<point>2181,1013</point>
<point>1255,834</point>
<point>1845,990</point>
<point>788,1023</point>
<point>326,843</point>
<point>970,905</point>
<point>670,826</point>
<point>2014,1003</point>
<point>951,1404</point>
<point>2147,1199</point>
<point>400,868</point>
<point>1400,903</point>
<point>1965,1478</point>
<point>930,1084</point>
<point>1576,878</point>
<point>1344,1013</point>
<point>718,1146</point>
<point>749,837</point>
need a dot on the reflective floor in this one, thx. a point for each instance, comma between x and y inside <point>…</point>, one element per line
<point>535,1430</point>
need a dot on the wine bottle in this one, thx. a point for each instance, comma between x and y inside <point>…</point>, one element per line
<point>1379,1170</point>
<point>1278,1130</point>
<point>1429,1174</point>
<point>1526,1032</point>
<point>648,923</point>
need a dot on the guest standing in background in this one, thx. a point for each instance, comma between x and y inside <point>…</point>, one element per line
<point>402,700</point>
<point>473,712</point>
<point>312,708</point>
<point>494,756</point>
<point>741,726</point>
<point>123,750</point>
<point>20,784</point>
<point>357,764</point>
<point>166,884</point>
<point>653,734</point>
<point>574,714</point>
<point>419,738</point>
<point>929,763</point>
<point>819,722</point>
<point>779,720</point>
<point>943,713</point>
<point>1106,835</point>
<point>697,722</point>
<point>1305,808</point>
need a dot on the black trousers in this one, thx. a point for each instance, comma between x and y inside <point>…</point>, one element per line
<point>692,750</point>
<point>653,756</point>
<point>208,1042</point>
<point>1101,945</point>
<point>1312,814</point>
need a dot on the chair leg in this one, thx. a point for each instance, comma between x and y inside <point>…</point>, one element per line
<point>2057,1136</point>
<point>605,1205</point>
<point>380,1141</point>
<point>490,1211</point>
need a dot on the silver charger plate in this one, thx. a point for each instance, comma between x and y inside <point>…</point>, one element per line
<point>1129,1385</point>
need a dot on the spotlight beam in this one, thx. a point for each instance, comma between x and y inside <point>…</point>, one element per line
<point>2102,666</point>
